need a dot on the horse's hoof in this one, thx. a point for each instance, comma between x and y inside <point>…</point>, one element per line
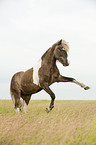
<point>47,110</point>
<point>86,88</point>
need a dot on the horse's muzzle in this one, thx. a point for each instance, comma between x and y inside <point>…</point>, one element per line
<point>66,64</point>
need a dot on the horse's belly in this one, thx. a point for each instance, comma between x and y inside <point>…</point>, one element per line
<point>30,88</point>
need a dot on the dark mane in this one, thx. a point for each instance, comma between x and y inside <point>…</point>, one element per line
<point>50,49</point>
<point>45,53</point>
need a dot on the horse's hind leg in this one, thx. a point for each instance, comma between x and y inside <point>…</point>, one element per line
<point>26,99</point>
<point>15,90</point>
<point>16,100</point>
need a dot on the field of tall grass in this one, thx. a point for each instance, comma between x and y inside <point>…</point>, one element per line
<point>70,123</point>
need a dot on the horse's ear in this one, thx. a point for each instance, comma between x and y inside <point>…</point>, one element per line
<point>60,42</point>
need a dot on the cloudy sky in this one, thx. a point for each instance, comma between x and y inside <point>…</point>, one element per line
<point>29,27</point>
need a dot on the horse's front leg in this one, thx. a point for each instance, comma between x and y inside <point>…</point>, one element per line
<point>67,79</point>
<point>52,95</point>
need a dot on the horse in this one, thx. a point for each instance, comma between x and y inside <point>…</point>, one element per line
<point>44,73</point>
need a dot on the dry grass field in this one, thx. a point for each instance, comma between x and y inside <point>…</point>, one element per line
<point>70,123</point>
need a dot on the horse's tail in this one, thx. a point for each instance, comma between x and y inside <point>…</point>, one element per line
<point>12,96</point>
<point>12,89</point>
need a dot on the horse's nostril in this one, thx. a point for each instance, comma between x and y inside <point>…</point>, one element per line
<point>67,64</point>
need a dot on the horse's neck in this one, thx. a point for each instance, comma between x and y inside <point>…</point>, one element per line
<point>48,57</point>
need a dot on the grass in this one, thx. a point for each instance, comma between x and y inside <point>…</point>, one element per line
<point>70,123</point>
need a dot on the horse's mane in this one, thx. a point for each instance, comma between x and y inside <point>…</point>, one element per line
<point>51,48</point>
<point>54,45</point>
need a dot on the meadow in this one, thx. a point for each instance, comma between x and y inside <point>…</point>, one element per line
<point>69,123</point>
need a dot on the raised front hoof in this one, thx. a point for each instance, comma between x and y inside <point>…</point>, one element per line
<point>87,88</point>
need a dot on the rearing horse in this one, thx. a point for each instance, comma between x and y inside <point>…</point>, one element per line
<point>41,76</point>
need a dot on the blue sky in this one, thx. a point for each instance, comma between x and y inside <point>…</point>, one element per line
<point>28,28</point>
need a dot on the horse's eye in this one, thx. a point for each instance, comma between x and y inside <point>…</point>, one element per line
<point>63,48</point>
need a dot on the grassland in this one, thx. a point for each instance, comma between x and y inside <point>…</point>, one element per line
<point>70,123</point>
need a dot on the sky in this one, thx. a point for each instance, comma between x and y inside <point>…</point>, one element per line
<point>29,27</point>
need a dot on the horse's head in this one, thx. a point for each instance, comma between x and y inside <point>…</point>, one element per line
<point>61,52</point>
